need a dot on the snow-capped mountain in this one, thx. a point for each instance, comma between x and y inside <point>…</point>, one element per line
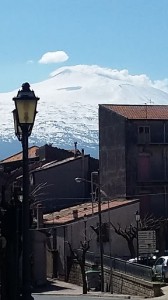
<point>68,105</point>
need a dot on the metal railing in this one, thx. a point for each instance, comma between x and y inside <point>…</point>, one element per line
<point>134,269</point>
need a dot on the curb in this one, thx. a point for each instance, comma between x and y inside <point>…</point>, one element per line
<point>88,294</point>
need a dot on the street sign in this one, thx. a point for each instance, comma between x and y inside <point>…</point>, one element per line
<point>146,241</point>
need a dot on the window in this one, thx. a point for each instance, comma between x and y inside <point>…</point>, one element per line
<point>141,129</point>
<point>159,261</point>
<point>143,134</point>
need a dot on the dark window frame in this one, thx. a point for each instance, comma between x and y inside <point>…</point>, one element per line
<point>144,134</point>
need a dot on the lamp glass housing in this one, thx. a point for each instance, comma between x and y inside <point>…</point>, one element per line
<point>25,104</point>
<point>26,109</point>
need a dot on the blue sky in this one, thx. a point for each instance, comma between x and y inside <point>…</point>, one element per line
<point>119,34</point>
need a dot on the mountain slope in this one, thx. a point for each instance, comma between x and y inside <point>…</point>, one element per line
<point>68,105</point>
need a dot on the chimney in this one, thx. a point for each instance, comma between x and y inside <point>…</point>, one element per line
<point>75,213</point>
<point>39,216</point>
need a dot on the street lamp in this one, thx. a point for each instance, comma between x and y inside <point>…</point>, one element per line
<point>24,117</point>
<point>137,218</point>
<point>78,180</point>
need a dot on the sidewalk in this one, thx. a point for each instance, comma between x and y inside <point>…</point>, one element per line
<point>57,287</point>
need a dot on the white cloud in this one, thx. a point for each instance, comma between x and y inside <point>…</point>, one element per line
<point>110,74</point>
<point>53,57</point>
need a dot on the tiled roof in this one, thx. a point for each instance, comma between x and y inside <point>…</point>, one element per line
<point>66,215</point>
<point>56,163</point>
<point>32,152</point>
<point>143,112</point>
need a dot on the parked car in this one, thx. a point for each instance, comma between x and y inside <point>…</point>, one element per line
<point>160,269</point>
<point>146,260</point>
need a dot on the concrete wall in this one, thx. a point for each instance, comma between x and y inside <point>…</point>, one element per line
<point>156,148</point>
<point>112,152</point>
<point>154,184</point>
<point>38,263</point>
<point>61,189</point>
<point>131,157</point>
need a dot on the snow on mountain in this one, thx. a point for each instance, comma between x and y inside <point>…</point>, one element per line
<point>68,105</point>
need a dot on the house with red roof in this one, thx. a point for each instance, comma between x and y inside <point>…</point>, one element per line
<point>75,224</point>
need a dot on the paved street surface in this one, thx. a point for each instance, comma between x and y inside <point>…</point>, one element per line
<point>56,290</point>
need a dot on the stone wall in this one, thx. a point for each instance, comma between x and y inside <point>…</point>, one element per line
<point>125,284</point>
<point>75,276</point>
<point>120,283</point>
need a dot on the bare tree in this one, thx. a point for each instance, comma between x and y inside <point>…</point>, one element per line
<point>80,256</point>
<point>129,233</point>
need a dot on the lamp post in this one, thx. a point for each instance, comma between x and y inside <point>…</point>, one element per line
<point>24,117</point>
<point>93,176</point>
<point>100,235</point>
<point>78,180</point>
<point>137,218</point>
<point>85,222</point>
